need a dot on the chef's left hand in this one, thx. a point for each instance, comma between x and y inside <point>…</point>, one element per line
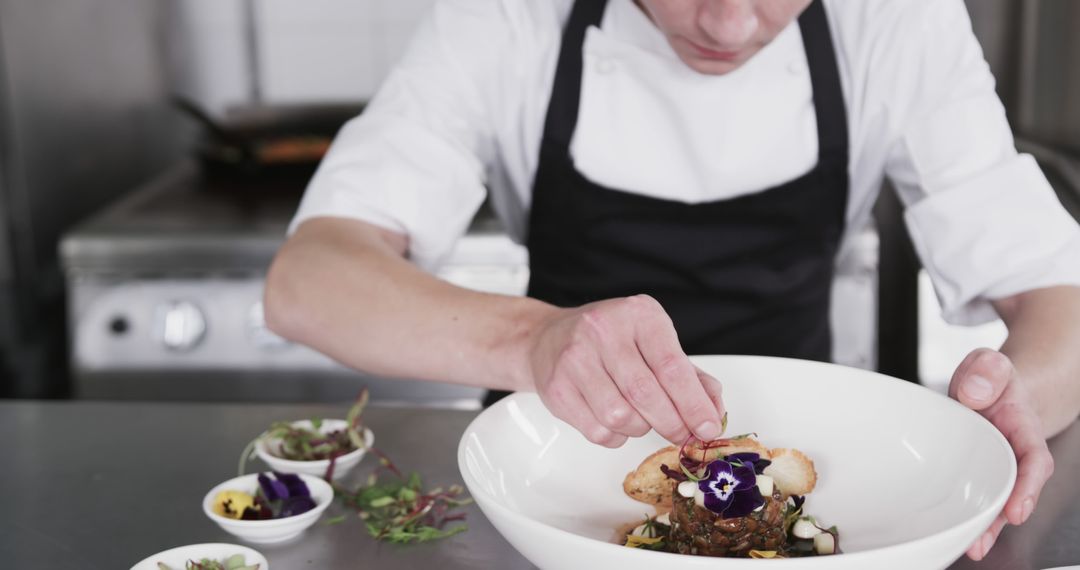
<point>987,382</point>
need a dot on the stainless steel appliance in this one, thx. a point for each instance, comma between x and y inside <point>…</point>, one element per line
<point>165,294</point>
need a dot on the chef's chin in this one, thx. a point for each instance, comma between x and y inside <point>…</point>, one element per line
<point>712,63</point>
<point>709,66</point>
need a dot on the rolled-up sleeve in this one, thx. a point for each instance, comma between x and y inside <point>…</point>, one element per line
<point>1000,233</point>
<point>414,162</point>
<point>984,220</point>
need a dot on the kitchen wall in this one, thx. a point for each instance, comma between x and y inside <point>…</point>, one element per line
<point>227,53</point>
<point>84,116</point>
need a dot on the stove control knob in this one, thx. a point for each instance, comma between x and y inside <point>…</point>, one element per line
<point>260,334</point>
<point>180,325</point>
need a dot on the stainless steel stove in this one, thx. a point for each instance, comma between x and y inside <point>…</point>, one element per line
<point>165,294</point>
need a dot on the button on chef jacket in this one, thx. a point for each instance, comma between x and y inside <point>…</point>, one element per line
<point>463,113</point>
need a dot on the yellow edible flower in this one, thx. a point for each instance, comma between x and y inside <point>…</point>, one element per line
<point>634,541</point>
<point>231,504</point>
<point>764,554</point>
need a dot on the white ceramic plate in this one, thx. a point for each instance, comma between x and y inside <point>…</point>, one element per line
<point>178,557</point>
<point>910,477</point>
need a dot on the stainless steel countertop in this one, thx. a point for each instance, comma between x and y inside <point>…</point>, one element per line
<point>101,485</point>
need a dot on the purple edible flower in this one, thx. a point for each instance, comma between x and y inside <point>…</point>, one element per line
<point>731,491</point>
<point>295,506</point>
<point>295,485</point>
<point>749,457</point>
<point>272,489</point>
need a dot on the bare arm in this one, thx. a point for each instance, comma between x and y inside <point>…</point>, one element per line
<point>1044,345</point>
<point>612,369</point>
<point>344,287</point>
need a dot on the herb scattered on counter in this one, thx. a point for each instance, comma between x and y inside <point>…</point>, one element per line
<point>309,444</point>
<point>400,511</point>
<point>234,562</point>
<point>397,509</point>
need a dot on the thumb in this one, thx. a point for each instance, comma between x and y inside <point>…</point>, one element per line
<point>981,378</point>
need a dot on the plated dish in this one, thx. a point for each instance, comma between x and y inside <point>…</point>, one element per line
<point>909,477</point>
<point>180,556</point>
<point>327,448</point>
<point>288,519</point>
<point>271,448</point>
<point>731,498</point>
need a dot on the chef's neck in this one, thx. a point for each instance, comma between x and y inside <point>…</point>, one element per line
<point>715,37</point>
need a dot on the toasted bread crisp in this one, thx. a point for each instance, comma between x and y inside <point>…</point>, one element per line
<point>742,445</point>
<point>648,484</point>
<point>792,471</point>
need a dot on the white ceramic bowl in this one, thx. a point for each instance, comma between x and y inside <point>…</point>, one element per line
<point>910,477</point>
<point>342,466</point>
<point>178,557</point>
<point>273,530</point>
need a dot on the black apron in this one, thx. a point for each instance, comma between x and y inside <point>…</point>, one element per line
<point>746,275</point>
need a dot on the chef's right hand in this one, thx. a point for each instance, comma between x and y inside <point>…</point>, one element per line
<point>614,369</point>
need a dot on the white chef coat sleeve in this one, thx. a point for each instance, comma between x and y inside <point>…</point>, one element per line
<point>984,220</point>
<point>415,160</point>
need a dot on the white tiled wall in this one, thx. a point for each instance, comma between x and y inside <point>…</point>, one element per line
<point>309,51</point>
<point>208,55</point>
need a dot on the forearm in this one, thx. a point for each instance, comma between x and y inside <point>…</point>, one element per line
<point>1043,342</point>
<point>347,291</point>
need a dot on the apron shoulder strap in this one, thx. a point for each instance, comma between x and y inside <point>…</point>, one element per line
<point>825,80</point>
<point>562,112</point>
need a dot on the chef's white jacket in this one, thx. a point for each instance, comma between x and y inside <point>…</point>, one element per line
<point>462,114</point>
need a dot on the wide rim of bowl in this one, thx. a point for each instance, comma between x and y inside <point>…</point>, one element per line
<point>248,552</point>
<point>264,454</point>
<point>488,501</point>
<point>320,490</point>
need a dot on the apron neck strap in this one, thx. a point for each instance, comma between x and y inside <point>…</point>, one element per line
<point>825,80</point>
<point>562,113</point>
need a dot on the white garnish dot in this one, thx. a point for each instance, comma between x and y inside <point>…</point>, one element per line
<point>664,519</point>
<point>824,543</point>
<point>687,488</point>
<point>699,498</point>
<point>803,528</point>
<point>765,485</point>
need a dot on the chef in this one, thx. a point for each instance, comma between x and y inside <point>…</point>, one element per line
<point>684,174</point>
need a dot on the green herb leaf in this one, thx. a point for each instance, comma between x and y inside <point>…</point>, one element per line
<point>335,520</point>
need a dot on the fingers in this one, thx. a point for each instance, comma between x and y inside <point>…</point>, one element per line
<point>615,369</point>
<point>658,344</point>
<point>638,385</point>
<point>569,405</point>
<point>981,378</point>
<point>606,401</point>
<point>715,391</point>
<point>986,540</point>
<point>1035,464</point>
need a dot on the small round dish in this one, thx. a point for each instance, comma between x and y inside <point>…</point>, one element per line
<point>342,466</point>
<point>178,557</point>
<point>273,530</point>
